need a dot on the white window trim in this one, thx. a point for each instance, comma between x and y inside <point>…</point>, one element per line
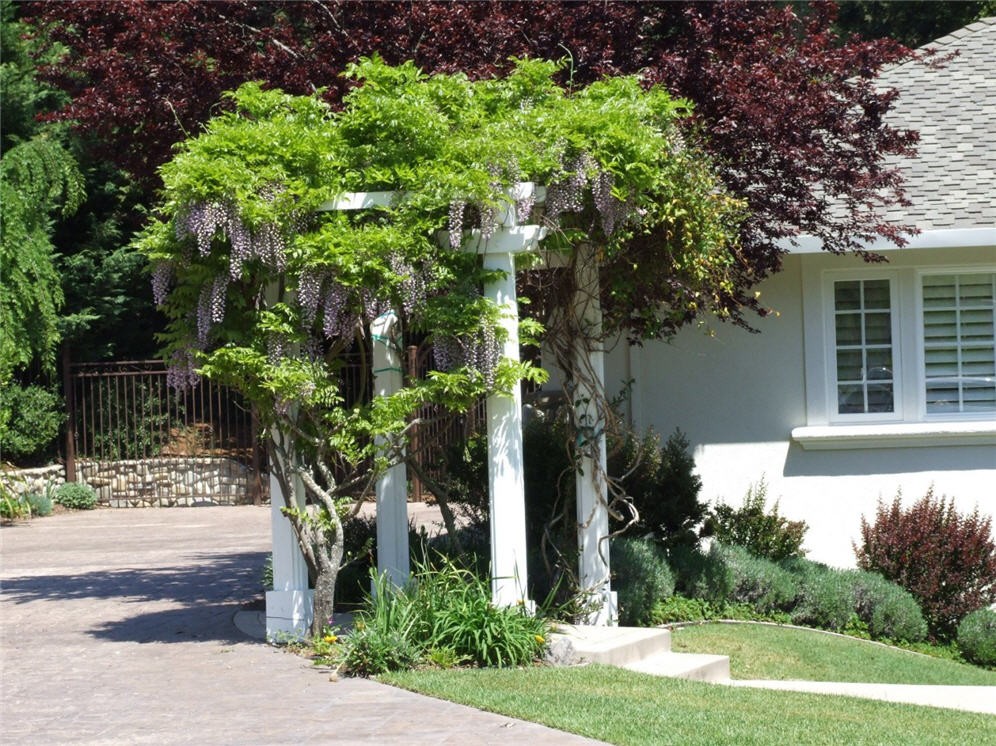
<point>830,278</point>
<point>908,425</point>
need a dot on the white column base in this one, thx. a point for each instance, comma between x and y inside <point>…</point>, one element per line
<point>289,614</point>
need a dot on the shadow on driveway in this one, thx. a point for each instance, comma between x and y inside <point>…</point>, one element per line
<point>210,591</point>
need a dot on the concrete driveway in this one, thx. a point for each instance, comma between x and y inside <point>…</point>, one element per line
<point>116,628</point>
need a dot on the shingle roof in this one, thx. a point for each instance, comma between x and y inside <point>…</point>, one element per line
<point>952,183</point>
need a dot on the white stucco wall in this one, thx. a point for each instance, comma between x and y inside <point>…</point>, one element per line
<point>738,396</point>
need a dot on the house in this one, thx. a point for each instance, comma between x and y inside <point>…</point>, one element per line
<point>872,378</point>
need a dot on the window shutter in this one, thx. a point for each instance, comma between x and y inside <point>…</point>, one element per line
<point>959,316</point>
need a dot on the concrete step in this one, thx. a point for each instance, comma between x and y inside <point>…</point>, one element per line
<point>692,666</point>
<point>614,646</point>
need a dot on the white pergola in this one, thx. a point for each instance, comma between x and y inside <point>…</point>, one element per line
<point>289,604</point>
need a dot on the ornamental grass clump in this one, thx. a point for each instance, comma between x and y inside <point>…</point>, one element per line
<point>445,613</point>
<point>946,559</point>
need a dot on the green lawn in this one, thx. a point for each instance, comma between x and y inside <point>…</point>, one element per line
<point>624,707</point>
<point>759,651</point>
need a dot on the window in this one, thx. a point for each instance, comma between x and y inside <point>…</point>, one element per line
<point>959,352</point>
<point>899,356</point>
<point>863,346</point>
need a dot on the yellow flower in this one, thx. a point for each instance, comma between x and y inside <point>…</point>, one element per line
<point>539,639</point>
<point>330,638</point>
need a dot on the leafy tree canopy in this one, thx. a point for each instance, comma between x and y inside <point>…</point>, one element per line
<point>789,109</point>
<point>913,22</point>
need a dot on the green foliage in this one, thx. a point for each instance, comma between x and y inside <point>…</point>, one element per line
<point>730,574</point>
<point>681,609</point>
<point>37,178</point>
<point>729,582</point>
<point>755,580</point>
<point>445,615</point>
<point>700,574</point>
<point>765,534</point>
<point>888,610</point>
<point>977,637</point>
<point>826,599</point>
<point>662,483</point>
<point>136,425</point>
<point>39,503</point>
<point>12,505</point>
<point>266,289</point>
<point>373,649</point>
<point>76,495</point>
<point>641,577</point>
<point>266,574</point>
<point>30,418</point>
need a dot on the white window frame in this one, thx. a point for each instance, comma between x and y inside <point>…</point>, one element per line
<point>908,425</point>
<point>830,279</point>
<point>921,367</point>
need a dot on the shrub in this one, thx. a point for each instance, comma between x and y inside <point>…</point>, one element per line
<point>888,610</point>
<point>371,650</point>
<point>40,504</point>
<point>764,534</point>
<point>681,609</point>
<point>641,577</point>
<point>757,581</point>
<point>825,599</point>
<point>663,485</point>
<point>33,417</point>
<point>945,559</point>
<point>977,637</point>
<point>701,575</point>
<point>76,495</point>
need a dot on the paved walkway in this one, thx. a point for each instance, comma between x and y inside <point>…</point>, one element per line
<point>968,698</point>
<point>116,628</point>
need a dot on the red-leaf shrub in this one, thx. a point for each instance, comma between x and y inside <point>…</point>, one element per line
<point>945,559</point>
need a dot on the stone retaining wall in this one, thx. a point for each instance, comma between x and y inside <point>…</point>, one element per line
<point>22,481</point>
<point>165,482</point>
<point>141,483</point>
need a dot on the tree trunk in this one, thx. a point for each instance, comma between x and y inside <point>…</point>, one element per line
<point>324,597</point>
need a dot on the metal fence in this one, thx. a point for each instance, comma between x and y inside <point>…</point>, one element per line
<point>139,441</point>
<point>135,438</point>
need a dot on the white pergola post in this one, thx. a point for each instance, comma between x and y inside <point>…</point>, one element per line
<point>591,489</point>
<point>392,485</point>
<point>506,482</point>
<point>290,605</point>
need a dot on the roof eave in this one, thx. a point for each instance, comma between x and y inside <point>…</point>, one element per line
<point>944,238</point>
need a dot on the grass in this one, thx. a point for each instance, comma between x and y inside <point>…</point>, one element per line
<point>759,651</point>
<point>625,707</point>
